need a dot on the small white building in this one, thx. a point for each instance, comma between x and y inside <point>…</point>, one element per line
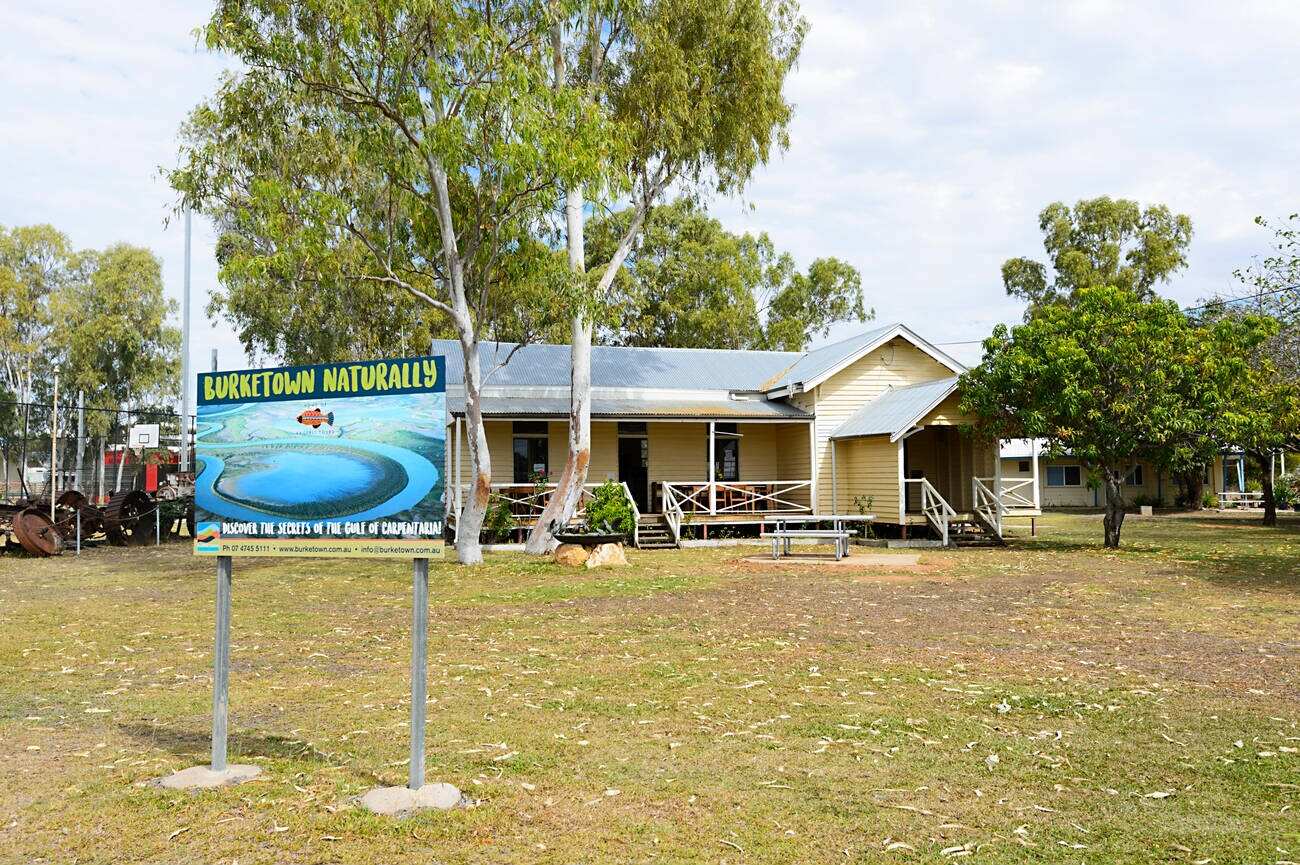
<point>1062,482</point>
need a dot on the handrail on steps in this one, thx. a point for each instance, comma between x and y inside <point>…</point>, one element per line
<point>636,514</point>
<point>673,513</point>
<point>934,506</point>
<point>988,503</point>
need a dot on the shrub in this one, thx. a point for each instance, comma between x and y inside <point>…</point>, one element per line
<point>1287,491</point>
<point>1144,499</point>
<point>498,522</point>
<point>609,510</point>
<point>1209,500</point>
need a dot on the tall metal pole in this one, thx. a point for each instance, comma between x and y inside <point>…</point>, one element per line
<point>185,353</point>
<point>419,669</point>
<point>54,448</point>
<point>81,439</point>
<point>221,665</point>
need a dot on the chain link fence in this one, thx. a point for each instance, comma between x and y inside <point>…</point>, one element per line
<point>94,451</point>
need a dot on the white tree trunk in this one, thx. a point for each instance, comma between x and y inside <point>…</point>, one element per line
<point>121,461</point>
<point>563,503</point>
<point>470,522</point>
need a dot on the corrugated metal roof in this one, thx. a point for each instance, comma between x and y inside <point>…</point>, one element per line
<point>894,411</point>
<point>818,361</point>
<point>544,365</point>
<point>558,407</point>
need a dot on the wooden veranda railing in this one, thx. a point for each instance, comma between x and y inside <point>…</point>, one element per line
<point>737,497</point>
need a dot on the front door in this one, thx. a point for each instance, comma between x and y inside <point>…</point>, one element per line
<point>634,468</point>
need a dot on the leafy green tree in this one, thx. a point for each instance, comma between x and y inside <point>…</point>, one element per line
<point>311,307</point>
<point>427,132</point>
<point>36,261</point>
<point>113,338</point>
<point>690,283</point>
<point>1112,378</point>
<point>693,90</point>
<point>1101,241</point>
<point>307,309</point>
<point>1265,420</point>
<point>10,428</point>
<point>1272,287</point>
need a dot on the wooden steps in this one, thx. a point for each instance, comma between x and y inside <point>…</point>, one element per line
<point>653,534</point>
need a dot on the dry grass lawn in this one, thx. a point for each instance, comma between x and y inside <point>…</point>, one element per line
<point>1045,702</point>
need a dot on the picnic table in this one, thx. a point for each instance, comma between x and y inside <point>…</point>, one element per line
<point>784,532</point>
<point>1230,499</point>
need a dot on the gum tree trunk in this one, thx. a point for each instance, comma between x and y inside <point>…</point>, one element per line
<point>470,522</point>
<point>1114,519</point>
<point>564,501</point>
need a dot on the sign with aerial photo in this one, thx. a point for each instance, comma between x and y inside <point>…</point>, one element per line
<point>338,459</point>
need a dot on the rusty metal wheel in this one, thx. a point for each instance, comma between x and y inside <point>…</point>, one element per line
<point>35,531</point>
<point>70,499</point>
<point>127,518</point>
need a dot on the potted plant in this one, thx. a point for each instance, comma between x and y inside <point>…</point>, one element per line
<point>609,518</point>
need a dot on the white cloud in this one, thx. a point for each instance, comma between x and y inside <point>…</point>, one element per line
<point>927,137</point>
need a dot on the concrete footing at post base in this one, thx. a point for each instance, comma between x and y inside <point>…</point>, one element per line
<point>204,778</point>
<point>403,801</point>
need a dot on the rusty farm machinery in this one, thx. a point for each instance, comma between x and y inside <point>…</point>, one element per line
<point>130,518</point>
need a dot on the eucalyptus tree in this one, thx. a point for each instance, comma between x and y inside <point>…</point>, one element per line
<point>1267,417</point>
<point>114,338</point>
<point>427,133</point>
<point>1271,286</point>
<point>693,92</point>
<point>1100,241</point>
<point>690,283</point>
<point>36,262</point>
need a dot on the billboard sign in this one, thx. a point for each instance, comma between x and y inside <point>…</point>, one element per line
<point>337,459</point>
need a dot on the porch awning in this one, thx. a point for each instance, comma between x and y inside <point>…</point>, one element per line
<point>696,409</point>
<point>896,411</point>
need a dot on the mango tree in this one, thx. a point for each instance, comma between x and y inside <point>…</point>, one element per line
<point>1112,378</point>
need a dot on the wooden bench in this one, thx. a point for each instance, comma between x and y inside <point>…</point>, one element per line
<point>781,540</point>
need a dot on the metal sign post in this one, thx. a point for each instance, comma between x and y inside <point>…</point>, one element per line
<point>221,664</point>
<point>419,669</point>
<point>218,773</point>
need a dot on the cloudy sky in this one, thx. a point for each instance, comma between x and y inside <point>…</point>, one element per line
<point>927,138</point>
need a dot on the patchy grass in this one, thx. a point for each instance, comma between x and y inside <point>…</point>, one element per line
<point>1047,702</point>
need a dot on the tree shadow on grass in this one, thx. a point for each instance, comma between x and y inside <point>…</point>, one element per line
<point>196,746</point>
<point>1226,551</point>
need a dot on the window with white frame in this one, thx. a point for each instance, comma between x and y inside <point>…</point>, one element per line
<point>1134,477</point>
<point>1064,476</point>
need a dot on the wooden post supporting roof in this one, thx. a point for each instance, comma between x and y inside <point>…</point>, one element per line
<point>713,481</point>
